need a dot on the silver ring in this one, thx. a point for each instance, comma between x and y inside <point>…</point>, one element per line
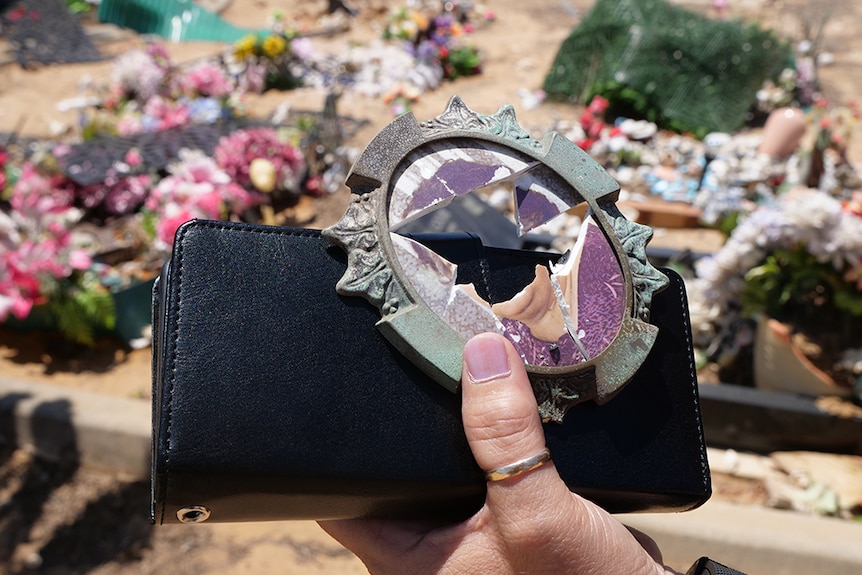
<point>519,467</point>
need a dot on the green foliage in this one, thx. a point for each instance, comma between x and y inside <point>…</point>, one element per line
<point>461,61</point>
<point>83,310</point>
<point>149,221</point>
<point>78,6</point>
<point>728,223</point>
<point>792,285</point>
<point>656,61</point>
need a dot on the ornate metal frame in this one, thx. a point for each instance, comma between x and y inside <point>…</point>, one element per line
<point>375,273</point>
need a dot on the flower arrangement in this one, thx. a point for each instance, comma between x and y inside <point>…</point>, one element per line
<point>40,263</point>
<point>270,60</point>
<point>592,122</point>
<point>242,150</point>
<point>195,187</point>
<point>148,93</point>
<point>53,268</point>
<point>797,260</point>
<point>437,40</point>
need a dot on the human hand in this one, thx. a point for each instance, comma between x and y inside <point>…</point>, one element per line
<point>530,522</point>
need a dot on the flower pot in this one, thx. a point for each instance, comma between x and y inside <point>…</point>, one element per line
<point>39,319</point>
<point>134,313</point>
<point>779,364</point>
<point>132,305</point>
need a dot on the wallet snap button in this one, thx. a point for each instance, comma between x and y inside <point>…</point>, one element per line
<point>193,514</point>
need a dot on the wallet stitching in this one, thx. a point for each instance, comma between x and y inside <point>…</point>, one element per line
<point>217,225</point>
<point>175,330</point>
<point>484,268</point>
<point>693,377</point>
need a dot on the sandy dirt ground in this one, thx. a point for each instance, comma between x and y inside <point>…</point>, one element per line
<point>57,518</point>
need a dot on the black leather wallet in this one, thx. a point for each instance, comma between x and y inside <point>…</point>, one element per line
<point>276,398</point>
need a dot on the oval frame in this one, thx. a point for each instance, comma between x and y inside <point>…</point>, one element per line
<point>375,273</point>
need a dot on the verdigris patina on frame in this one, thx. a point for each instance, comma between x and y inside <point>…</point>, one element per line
<point>581,326</point>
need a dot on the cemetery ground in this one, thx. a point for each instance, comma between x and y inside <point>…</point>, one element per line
<point>58,516</point>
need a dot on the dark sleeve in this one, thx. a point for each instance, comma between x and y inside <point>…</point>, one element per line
<point>706,566</point>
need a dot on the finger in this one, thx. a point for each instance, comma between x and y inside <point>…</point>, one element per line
<point>502,424</point>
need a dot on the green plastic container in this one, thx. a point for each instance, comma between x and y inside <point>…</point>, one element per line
<point>175,20</point>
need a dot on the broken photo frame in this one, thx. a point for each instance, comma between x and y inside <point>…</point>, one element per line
<point>581,326</point>
<point>280,394</point>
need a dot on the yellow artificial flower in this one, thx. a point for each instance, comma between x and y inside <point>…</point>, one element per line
<point>420,20</point>
<point>274,46</point>
<point>244,47</point>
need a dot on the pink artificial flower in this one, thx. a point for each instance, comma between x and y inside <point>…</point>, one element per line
<point>178,116</point>
<point>159,55</point>
<point>166,114</point>
<point>92,195</point>
<point>302,48</point>
<point>238,199</point>
<point>129,125</point>
<point>157,107</point>
<point>79,259</point>
<point>35,194</point>
<point>206,79</point>
<point>195,188</point>
<point>253,80</point>
<point>21,307</point>
<point>125,196</point>
<point>168,226</point>
<point>12,301</point>
<point>209,204</point>
<point>198,168</point>
<point>137,75</point>
<point>236,151</point>
<point>314,186</point>
<point>133,158</point>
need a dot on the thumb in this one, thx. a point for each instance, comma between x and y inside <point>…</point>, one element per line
<point>536,508</point>
<point>503,427</point>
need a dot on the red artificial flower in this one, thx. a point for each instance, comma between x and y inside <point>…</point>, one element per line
<point>17,14</point>
<point>585,144</point>
<point>598,105</point>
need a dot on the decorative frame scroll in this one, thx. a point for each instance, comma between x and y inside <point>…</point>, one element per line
<point>374,271</point>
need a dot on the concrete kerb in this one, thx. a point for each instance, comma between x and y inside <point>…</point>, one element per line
<point>113,433</point>
<point>98,431</point>
<point>756,540</point>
